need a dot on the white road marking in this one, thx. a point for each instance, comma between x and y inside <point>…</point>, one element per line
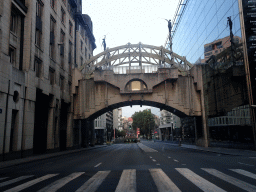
<point>241,184</point>
<point>98,165</point>
<point>93,183</point>
<point>175,160</point>
<point>162,181</point>
<point>200,182</point>
<point>150,157</point>
<point>245,164</point>
<point>127,181</point>
<point>169,157</point>
<point>157,164</point>
<point>30,183</point>
<point>183,164</point>
<point>146,148</point>
<point>154,160</point>
<point>15,180</point>
<point>60,183</point>
<point>245,173</point>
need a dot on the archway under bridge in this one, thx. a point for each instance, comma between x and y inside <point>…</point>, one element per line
<point>137,74</point>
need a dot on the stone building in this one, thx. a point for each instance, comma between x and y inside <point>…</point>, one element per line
<point>39,42</point>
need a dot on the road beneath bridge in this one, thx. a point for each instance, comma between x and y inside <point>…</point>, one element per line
<point>148,166</point>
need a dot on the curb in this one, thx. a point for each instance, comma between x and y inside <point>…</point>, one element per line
<point>213,151</point>
<point>15,162</point>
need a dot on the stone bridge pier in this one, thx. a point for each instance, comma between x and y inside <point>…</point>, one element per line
<point>180,92</point>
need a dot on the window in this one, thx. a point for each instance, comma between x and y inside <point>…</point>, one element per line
<point>82,32</point>
<point>12,54</point>
<point>85,52</point>
<point>39,9</point>
<point>52,37</point>
<point>61,82</point>
<point>63,15</point>
<point>70,57</point>
<point>38,33</point>
<point>38,67</point>
<point>52,3</point>
<point>82,61</point>
<point>136,86</point>
<point>70,52</point>
<point>14,22</point>
<point>70,28</point>
<point>38,37</point>
<point>69,8</point>
<point>207,48</point>
<point>70,87</point>
<point>62,38</point>
<point>52,76</point>
<point>81,46</point>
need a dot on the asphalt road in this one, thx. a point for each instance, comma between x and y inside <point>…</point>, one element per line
<point>147,166</point>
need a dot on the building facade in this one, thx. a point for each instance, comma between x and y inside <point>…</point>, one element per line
<point>169,124</point>
<point>117,119</point>
<point>38,50</point>
<point>213,34</point>
<point>104,127</point>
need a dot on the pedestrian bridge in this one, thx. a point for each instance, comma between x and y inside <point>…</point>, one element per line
<point>137,74</point>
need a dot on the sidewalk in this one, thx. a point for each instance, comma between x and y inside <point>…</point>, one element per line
<point>14,162</point>
<point>220,150</point>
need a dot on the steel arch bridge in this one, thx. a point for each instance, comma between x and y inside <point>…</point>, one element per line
<point>136,55</point>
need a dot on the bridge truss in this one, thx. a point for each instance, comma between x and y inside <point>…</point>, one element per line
<point>136,56</point>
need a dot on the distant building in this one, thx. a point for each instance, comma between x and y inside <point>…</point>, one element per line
<point>218,46</point>
<point>104,127</point>
<point>168,123</point>
<point>117,119</point>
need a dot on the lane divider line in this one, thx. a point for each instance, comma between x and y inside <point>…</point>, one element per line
<point>98,165</point>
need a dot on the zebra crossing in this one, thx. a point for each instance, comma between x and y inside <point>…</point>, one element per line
<point>127,181</point>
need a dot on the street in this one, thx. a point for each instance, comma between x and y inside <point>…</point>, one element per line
<point>146,166</point>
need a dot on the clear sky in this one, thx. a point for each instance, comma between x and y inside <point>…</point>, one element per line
<point>130,21</point>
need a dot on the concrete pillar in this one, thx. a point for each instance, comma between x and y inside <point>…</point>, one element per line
<point>80,133</point>
<point>203,141</point>
<point>85,124</point>
<point>69,130</point>
<point>50,126</point>
<point>28,128</point>
<point>92,133</point>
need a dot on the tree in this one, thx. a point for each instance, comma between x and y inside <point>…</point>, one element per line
<point>145,121</point>
<point>120,133</point>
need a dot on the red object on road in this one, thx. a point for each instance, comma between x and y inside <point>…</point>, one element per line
<point>138,132</point>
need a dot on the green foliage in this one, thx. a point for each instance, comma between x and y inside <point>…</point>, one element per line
<point>143,120</point>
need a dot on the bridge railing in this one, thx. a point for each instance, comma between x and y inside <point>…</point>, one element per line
<point>132,69</point>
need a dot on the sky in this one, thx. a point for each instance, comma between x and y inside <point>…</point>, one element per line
<point>130,21</point>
